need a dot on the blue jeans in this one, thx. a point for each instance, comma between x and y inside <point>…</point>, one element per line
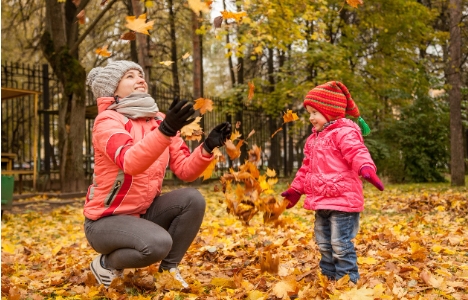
<point>334,231</point>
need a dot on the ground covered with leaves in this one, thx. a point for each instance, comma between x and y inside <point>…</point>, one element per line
<point>412,244</point>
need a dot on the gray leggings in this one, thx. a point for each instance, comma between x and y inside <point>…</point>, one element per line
<point>163,233</point>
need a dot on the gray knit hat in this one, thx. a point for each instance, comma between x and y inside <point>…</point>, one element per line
<point>104,80</point>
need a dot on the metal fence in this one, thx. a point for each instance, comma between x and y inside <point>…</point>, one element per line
<point>17,125</point>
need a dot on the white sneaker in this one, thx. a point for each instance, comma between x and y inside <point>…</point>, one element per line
<point>176,273</point>
<point>103,276</point>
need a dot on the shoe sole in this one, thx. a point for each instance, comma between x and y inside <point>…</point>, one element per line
<point>95,274</point>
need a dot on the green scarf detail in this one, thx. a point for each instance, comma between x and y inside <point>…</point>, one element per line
<point>363,125</point>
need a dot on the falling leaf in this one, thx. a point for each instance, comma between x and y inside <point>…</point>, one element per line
<point>252,132</point>
<point>139,24</point>
<point>235,135</point>
<point>255,154</point>
<point>128,36</point>
<point>198,6</point>
<point>233,15</point>
<point>233,150</point>
<point>192,129</point>
<point>209,170</point>
<point>166,62</point>
<point>289,116</point>
<point>274,133</point>
<point>203,105</point>
<point>81,17</point>
<point>355,3</point>
<point>103,51</point>
<point>269,263</point>
<point>251,90</point>
<point>186,55</point>
<point>270,172</point>
<point>149,4</point>
<point>218,21</point>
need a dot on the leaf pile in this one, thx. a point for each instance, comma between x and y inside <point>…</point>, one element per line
<point>412,244</point>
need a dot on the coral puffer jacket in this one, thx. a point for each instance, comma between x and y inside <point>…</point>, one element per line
<point>130,158</point>
<point>329,175</point>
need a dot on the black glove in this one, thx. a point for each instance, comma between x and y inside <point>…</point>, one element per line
<point>217,136</point>
<point>177,117</point>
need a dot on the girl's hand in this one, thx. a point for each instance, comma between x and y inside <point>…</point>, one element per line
<point>292,196</point>
<point>368,174</point>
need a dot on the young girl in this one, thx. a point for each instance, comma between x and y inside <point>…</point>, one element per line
<point>334,157</point>
<point>128,221</point>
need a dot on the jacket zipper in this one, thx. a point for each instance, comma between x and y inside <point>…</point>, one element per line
<point>116,187</point>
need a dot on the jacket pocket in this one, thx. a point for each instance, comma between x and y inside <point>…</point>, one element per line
<point>329,185</point>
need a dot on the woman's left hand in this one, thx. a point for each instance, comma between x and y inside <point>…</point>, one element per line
<point>217,136</point>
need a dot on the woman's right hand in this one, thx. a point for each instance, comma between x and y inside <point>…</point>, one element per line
<point>177,116</point>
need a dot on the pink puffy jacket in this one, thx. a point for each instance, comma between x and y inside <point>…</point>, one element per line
<point>329,175</point>
<point>130,158</point>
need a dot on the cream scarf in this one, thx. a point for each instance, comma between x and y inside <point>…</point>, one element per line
<point>136,105</point>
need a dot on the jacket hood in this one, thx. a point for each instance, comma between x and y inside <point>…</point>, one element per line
<point>103,103</point>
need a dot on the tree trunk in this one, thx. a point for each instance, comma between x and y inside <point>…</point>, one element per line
<point>55,44</point>
<point>142,43</point>
<point>454,79</point>
<point>197,58</point>
<point>174,66</point>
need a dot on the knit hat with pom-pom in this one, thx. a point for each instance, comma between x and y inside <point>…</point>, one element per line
<point>333,101</point>
<point>104,80</point>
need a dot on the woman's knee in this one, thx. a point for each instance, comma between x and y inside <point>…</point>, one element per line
<point>157,247</point>
<point>197,201</point>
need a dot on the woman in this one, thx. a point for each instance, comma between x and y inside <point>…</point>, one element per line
<point>128,221</point>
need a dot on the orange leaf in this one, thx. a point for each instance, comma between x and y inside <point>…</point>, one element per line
<point>274,133</point>
<point>203,105</point>
<point>270,172</point>
<point>139,24</point>
<point>268,263</point>
<point>254,154</point>
<point>103,51</point>
<point>186,55</point>
<point>251,90</point>
<point>233,150</point>
<point>289,116</point>
<point>81,17</point>
<point>250,134</point>
<point>354,3</point>
<point>166,62</point>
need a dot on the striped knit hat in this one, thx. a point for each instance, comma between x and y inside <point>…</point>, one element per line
<point>333,101</point>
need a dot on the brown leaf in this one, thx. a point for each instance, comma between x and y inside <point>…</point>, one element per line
<point>274,133</point>
<point>251,90</point>
<point>268,263</point>
<point>128,36</point>
<point>218,21</point>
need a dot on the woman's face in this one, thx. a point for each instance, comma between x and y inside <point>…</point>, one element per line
<point>131,82</point>
<point>316,118</point>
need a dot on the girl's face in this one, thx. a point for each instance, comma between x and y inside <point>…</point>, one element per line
<point>131,82</point>
<point>316,118</point>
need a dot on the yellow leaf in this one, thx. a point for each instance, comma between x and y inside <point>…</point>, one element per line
<point>354,3</point>
<point>209,170</point>
<point>139,24</point>
<point>166,62</point>
<point>255,295</point>
<point>282,288</point>
<point>289,116</point>
<point>56,249</point>
<point>203,105</point>
<point>197,6</point>
<point>367,260</point>
<point>103,51</point>
<point>270,172</point>
<point>224,282</point>
<point>8,247</point>
<point>235,135</point>
<point>186,55</point>
<point>361,294</point>
<point>192,131</point>
<point>149,4</point>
